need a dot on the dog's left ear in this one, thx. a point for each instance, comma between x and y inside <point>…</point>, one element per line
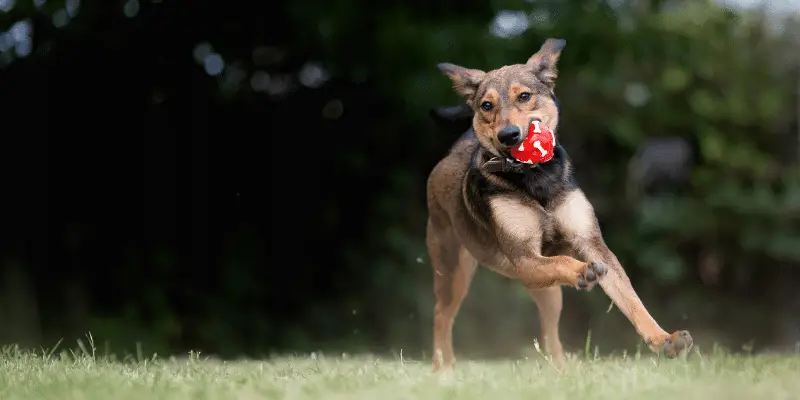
<point>465,80</point>
<point>543,63</point>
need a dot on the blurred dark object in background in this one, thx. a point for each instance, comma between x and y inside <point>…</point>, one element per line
<point>662,165</point>
<point>455,119</point>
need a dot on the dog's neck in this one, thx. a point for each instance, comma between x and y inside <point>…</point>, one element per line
<point>541,182</point>
<point>497,164</point>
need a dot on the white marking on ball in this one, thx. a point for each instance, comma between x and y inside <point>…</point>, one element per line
<point>536,128</point>
<point>521,146</point>
<point>538,145</point>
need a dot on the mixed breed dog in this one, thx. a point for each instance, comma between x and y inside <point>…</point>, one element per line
<point>525,220</point>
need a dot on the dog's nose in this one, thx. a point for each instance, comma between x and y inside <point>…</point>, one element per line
<point>509,135</point>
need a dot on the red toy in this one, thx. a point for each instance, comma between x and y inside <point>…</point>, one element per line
<point>537,146</point>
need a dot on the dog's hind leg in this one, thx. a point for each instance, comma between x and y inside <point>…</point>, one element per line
<point>549,302</point>
<point>453,269</point>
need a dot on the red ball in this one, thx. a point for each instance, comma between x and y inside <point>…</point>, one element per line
<point>537,146</point>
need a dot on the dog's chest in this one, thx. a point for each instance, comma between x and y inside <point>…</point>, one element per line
<point>548,225</point>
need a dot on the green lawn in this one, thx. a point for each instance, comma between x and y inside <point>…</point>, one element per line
<point>721,377</point>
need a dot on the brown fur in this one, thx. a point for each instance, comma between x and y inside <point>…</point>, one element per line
<point>533,224</point>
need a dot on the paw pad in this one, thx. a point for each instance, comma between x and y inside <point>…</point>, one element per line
<point>592,272</point>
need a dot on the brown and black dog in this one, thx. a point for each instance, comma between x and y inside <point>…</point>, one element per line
<point>531,223</point>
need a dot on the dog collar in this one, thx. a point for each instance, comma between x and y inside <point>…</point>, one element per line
<point>502,164</point>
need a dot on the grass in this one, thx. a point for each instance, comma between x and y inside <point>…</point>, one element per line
<point>642,376</point>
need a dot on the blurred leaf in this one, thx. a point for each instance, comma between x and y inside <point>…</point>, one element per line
<point>675,79</point>
<point>703,103</point>
<point>712,144</point>
<point>626,131</point>
<point>769,104</point>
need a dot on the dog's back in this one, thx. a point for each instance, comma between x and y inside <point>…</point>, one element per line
<point>445,180</point>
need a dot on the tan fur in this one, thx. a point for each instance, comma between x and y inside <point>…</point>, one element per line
<point>515,218</point>
<point>513,243</point>
<point>575,215</point>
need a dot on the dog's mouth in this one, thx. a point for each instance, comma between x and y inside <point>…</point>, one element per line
<point>533,124</point>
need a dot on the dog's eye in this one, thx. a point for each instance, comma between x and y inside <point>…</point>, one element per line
<point>487,106</point>
<point>524,97</point>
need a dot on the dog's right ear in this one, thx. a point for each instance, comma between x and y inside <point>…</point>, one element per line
<point>465,80</point>
<point>543,63</point>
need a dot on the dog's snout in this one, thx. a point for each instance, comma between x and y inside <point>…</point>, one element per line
<point>509,135</point>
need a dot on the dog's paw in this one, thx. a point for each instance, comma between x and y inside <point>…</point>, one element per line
<point>590,275</point>
<point>678,342</point>
<point>672,345</point>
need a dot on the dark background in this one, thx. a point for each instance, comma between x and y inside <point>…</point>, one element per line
<point>248,178</point>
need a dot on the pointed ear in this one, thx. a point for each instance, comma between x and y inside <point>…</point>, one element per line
<point>543,63</point>
<point>465,80</point>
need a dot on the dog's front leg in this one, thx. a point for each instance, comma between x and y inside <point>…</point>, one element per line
<point>618,287</point>
<point>519,224</point>
<point>577,221</point>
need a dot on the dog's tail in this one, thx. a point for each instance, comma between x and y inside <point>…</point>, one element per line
<point>453,119</point>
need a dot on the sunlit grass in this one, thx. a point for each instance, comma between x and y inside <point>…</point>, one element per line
<point>82,375</point>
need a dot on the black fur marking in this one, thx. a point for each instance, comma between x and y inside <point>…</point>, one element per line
<point>543,183</point>
<point>546,180</point>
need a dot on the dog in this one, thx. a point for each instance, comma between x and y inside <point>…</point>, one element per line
<point>531,223</point>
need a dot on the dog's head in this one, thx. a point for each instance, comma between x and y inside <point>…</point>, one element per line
<point>508,99</point>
